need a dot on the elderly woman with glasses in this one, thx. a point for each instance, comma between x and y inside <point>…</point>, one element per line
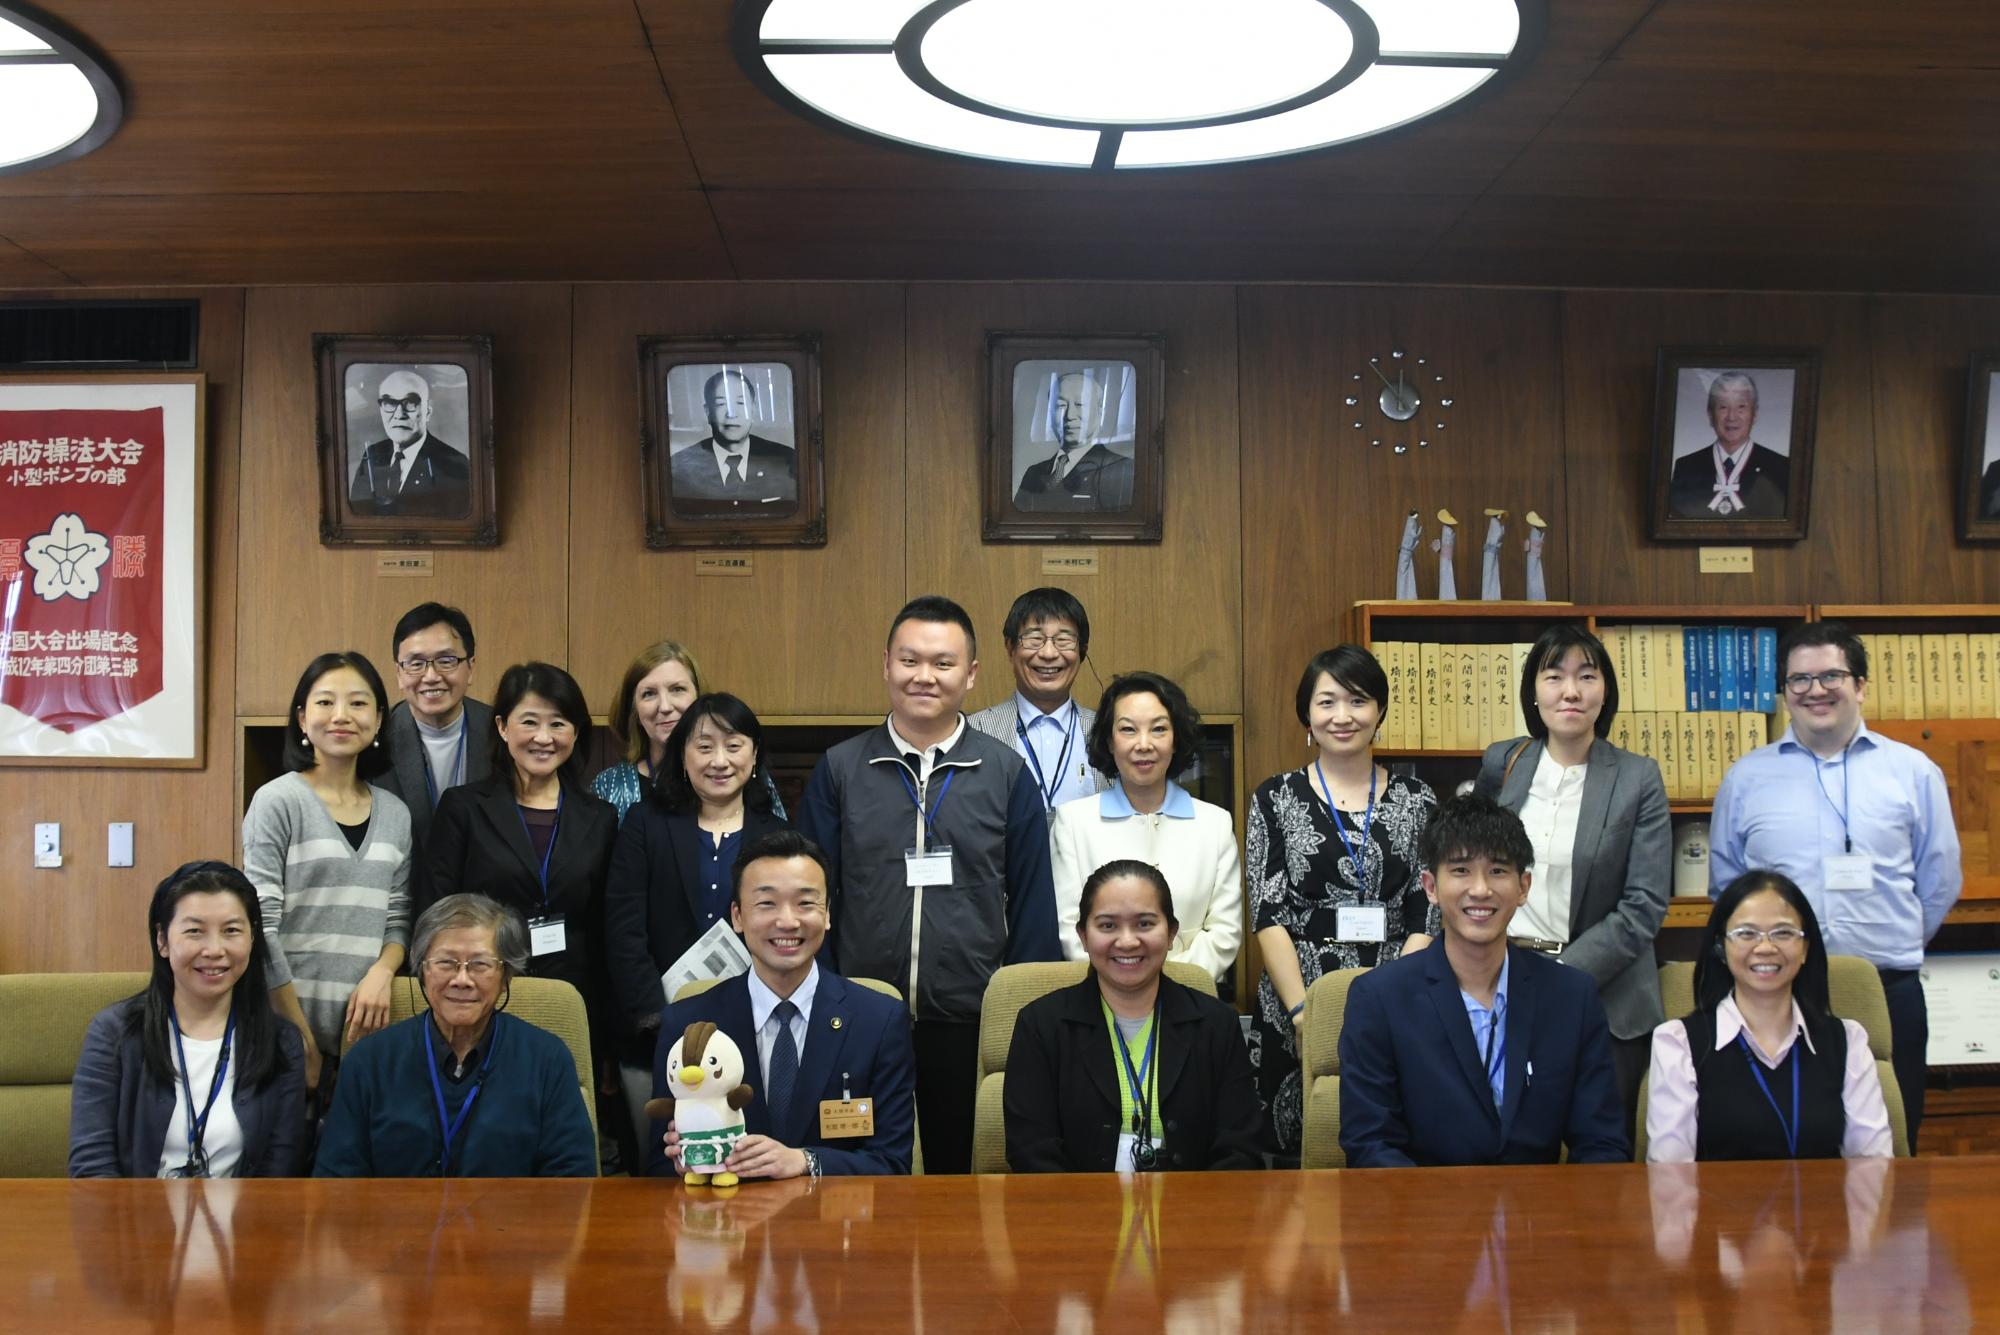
<point>463,1089</point>
<point>1762,1068</point>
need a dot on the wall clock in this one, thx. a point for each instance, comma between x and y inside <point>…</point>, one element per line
<point>1412,401</point>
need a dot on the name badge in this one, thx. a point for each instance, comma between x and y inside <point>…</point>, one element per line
<point>1128,1146</point>
<point>931,868</point>
<point>1848,871</point>
<point>546,936</point>
<point>846,1117</point>
<point>1361,922</point>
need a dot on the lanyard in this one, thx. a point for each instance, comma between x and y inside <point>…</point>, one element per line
<point>1846,792</point>
<point>1368,819</point>
<point>1791,1128</point>
<point>1137,1080</point>
<point>551,851</point>
<point>1047,788</point>
<point>457,766</point>
<point>198,1125</point>
<point>449,1130</point>
<point>925,819</point>
<point>1496,1061</point>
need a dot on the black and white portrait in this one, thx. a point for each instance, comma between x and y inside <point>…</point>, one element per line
<point>1732,444</point>
<point>1075,424</point>
<point>1989,453</point>
<point>731,434</point>
<point>408,431</point>
<point>1979,453</point>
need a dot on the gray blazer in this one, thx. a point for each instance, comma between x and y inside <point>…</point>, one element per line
<point>997,722</point>
<point>118,1113</point>
<point>1621,872</point>
<point>405,778</point>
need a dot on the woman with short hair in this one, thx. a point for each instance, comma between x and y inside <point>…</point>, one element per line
<point>462,1089</point>
<point>196,1076</point>
<point>1333,867</point>
<point>1762,1068</point>
<point>1187,1098</point>
<point>1146,733</point>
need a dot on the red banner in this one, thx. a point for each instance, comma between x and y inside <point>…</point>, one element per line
<point>82,592</point>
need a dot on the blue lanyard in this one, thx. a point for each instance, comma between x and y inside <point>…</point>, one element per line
<point>1846,793</point>
<point>551,851</point>
<point>450,1131</point>
<point>1136,1078</point>
<point>198,1125</point>
<point>1496,1061</point>
<point>930,817</point>
<point>1367,820</point>
<point>457,765</point>
<point>1791,1128</point>
<point>1042,785</point>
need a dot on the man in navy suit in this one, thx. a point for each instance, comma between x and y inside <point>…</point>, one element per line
<point>1472,1051</point>
<point>807,1035</point>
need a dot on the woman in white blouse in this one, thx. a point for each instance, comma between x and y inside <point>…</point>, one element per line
<point>1761,1069</point>
<point>1598,818</point>
<point>1146,732</point>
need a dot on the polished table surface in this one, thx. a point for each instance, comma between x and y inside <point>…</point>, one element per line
<point>1766,1248</point>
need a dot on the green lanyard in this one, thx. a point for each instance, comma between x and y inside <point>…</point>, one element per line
<point>1134,1077</point>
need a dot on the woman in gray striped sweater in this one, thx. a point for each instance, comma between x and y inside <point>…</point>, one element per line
<point>329,853</point>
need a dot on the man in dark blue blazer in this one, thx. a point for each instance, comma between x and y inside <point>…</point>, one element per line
<point>1472,1051</point>
<point>846,1043</point>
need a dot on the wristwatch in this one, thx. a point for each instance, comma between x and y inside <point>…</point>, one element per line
<point>812,1165</point>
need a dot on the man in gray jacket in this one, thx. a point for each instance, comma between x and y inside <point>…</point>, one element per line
<point>1048,637</point>
<point>937,845</point>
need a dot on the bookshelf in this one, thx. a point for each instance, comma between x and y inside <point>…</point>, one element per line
<point>1963,736</point>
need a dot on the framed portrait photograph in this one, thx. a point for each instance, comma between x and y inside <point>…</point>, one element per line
<point>729,441</point>
<point>1979,453</point>
<point>406,440</point>
<point>100,570</point>
<point>1732,444</point>
<point>1075,429</point>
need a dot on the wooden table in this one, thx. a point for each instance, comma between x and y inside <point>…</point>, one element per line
<point>1766,1248</point>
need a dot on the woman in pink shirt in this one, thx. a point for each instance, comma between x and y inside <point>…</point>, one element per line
<point>1762,1069</point>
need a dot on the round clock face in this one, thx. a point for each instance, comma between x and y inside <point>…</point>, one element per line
<point>1400,402</point>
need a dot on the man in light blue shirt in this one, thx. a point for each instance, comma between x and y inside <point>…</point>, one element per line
<point>1048,637</point>
<point>1860,821</point>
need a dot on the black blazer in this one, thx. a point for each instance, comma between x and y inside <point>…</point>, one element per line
<point>1061,1103</point>
<point>479,844</point>
<point>652,908</point>
<point>439,482</point>
<point>1764,484</point>
<point>118,1113</point>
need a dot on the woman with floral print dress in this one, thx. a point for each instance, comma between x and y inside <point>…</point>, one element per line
<point>1332,868</point>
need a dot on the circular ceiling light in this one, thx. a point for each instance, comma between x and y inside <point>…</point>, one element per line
<point>58,100</point>
<point>1113,84</point>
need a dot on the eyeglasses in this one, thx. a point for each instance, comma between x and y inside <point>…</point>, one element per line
<point>1784,934</point>
<point>1801,682</point>
<point>479,968</point>
<point>416,667</point>
<point>1032,641</point>
<point>410,405</point>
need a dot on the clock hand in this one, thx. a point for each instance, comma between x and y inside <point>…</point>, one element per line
<point>1378,374</point>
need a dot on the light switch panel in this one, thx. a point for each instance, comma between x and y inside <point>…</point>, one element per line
<point>119,845</point>
<point>48,844</point>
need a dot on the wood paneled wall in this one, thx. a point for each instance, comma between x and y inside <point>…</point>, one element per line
<point>1279,513</point>
<point>84,915</point>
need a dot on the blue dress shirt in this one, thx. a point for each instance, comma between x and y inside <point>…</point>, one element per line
<point>1782,808</point>
<point>1047,736</point>
<point>1483,1022</point>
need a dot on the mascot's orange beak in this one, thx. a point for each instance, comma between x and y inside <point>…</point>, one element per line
<point>691,1076</point>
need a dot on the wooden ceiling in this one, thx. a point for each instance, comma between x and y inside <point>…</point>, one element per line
<point>1774,144</point>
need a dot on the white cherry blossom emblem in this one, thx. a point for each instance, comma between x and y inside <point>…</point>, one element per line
<point>65,560</point>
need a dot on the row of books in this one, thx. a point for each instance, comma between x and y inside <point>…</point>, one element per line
<point>1445,697</point>
<point>1932,676</point>
<point>1693,750</point>
<point>1690,669</point>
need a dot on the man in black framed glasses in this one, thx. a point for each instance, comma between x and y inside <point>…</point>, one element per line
<point>1860,822</point>
<point>411,471</point>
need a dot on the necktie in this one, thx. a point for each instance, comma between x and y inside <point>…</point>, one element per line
<point>1062,465</point>
<point>784,1063</point>
<point>396,466</point>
